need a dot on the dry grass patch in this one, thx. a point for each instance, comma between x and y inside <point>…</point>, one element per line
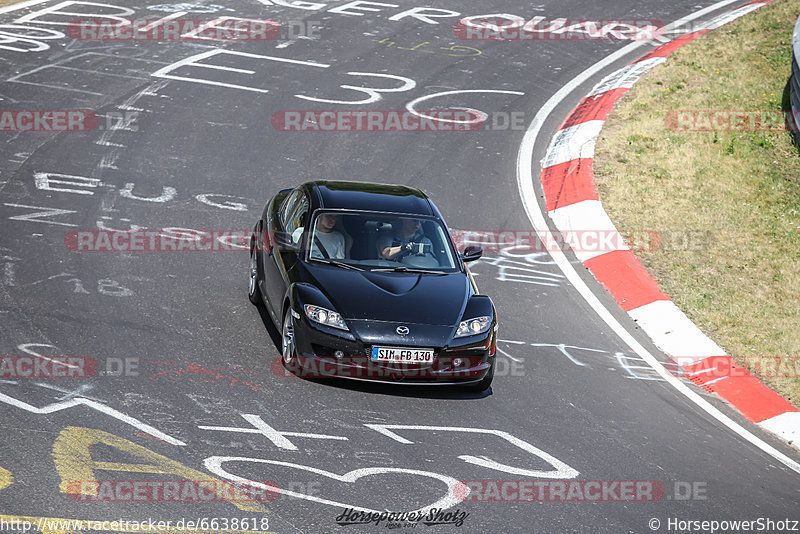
<point>727,201</point>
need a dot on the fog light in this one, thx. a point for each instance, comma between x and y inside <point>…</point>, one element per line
<point>339,354</point>
<point>457,362</point>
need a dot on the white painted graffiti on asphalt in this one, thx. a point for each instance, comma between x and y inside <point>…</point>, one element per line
<point>215,464</point>
<point>79,400</point>
<point>526,267</point>
<point>634,366</point>
<point>197,66</point>
<point>277,437</point>
<point>83,185</point>
<point>21,37</point>
<point>188,8</point>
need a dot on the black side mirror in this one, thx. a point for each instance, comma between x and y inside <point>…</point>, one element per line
<point>472,253</point>
<point>284,242</point>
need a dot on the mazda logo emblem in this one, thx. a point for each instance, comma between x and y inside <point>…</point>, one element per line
<point>402,330</point>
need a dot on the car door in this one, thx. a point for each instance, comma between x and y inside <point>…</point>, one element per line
<point>291,220</point>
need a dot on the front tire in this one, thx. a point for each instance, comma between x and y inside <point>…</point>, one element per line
<point>288,347</point>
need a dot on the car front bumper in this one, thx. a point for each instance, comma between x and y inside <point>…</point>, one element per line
<point>462,361</point>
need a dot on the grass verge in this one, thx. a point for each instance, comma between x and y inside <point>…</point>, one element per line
<point>727,200</point>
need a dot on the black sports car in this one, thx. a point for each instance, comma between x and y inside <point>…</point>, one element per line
<point>363,282</point>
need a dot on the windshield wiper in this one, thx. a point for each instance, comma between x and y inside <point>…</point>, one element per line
<point>404,269</point>
<point>338,264</point>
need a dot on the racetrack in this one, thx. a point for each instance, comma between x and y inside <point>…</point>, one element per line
<point>202,153</point>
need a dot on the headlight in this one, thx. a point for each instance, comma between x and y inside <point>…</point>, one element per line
<point>478,325</point>
<point>325,316</point>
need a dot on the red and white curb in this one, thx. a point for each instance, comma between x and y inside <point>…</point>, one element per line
<point>571,200</point>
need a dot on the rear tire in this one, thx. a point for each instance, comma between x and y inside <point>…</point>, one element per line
<point>253,291</point>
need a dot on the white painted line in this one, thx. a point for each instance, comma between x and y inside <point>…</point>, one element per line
<point>573,143</point>
<point>504,353</point>
<point>704,371</point>
<point>192,61</point>
<point>715,380</point>
<point>108,161</point>
<point>60,88</point>
<point>162,20</point>
<point>58,406</point>
<point>87,71</point>
<point>37,216</point>
<point>21,5</point>
<point>786,425</point>
<point>588,218</point>
<point>222,67</point>
<point>673,332</point>
<point>209,82</point>
<point>108,143</point>
<point>124,107</point>
<point>560,469</point>
<point>26,348</point>
<point>277,437</point>
<point>314,436</point>
<point>214,465</point>
<point>536,216</point>
<point>725,18</point>
<point>79,391</point>
<point>65,364</point>
<point>625,77</point>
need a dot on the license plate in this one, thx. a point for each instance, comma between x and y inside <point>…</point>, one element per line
<point>400,355</point>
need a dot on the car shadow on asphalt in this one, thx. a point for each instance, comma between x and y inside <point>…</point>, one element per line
<point>273,332</point>
<point>398,389</point>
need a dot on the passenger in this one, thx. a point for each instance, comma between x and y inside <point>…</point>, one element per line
<point>327,243</point>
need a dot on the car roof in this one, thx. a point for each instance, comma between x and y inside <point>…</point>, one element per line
<point>369,196</point>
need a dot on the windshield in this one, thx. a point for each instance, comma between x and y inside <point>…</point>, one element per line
<point>380,241</point>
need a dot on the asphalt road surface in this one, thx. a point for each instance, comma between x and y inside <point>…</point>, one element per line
<point>189,138</point>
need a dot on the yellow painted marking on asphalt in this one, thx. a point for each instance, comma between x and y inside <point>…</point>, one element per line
<point>57,525</point>
<point>5,478</point>
<point>74,464</point>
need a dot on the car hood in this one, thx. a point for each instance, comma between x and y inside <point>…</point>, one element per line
<point>436,299</point>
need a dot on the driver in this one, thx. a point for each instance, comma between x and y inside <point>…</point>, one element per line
<point>406,239</point>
